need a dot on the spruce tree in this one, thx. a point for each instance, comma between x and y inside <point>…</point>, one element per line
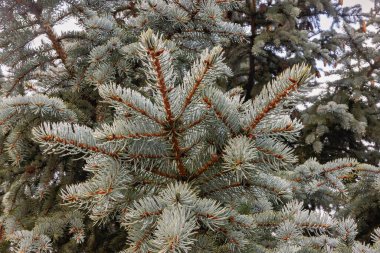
<point>175,164</point>
<point>343,120</point>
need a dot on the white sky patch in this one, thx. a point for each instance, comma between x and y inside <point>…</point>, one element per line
<point>325,22</point>
<point>368,144</point>
<point>71,24</point>
<point>366,4</point>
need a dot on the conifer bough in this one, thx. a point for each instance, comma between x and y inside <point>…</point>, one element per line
<point>194,169</point>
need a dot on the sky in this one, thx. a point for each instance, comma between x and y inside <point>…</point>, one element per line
<point>71,23</point>
<point>366,4</point>
<point>366,7</point>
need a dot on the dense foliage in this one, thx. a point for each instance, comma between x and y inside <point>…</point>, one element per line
<point>131,133</point>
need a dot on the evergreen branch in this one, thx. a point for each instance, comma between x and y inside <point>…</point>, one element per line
<point>340,187</point>
<point>175,230</point>
<point>273,185</point>
<point>219,114</point>
<point>143,210</point>
<point>178,154</point>
<point>214,159</point>
<point>114,137</point>
<point>57,46</point>
<point>179,193</point>
<point>15,146</point>
<point>37,9</point>
<point>157,52</point>
<point>61,138</point>
<point>244,221</point>
<point>274,102</point>
<point>215,176</point>
<point>330,175</point>
<point>139,240</point>
<point>367,170</point>
<point>211,213</point>
<point>198,81</point>
<point>7,118</point>
<point>323,170</point>
<point>220,32</point>
<point>203,73</point>
<point>274,152</point>
<point>19,78</point>
<point>145,156</point>
<point>271,153</point>
<point>287,128</point>
<point>162,173</point>
<point>37,104</point>
<point>184,150</point>
<point>275,93</point>
<point>278,127</point>
<point>132,99</point>
<point>193,124</point>
<point>229,186</point>
<point>183,7</point>
<point>233,238</point>
<point>239,157</point>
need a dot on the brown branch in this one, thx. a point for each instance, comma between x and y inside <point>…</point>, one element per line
<point>148,214</point>
<point>57,46</point>
<point>187,149</point>
<point>367,170</point>
<point>218,114</point>
<point>193,124</point>
<point>270,189</point>
<point>230,238</point>
<point>100,191</point>
<point>214,159</point>
<point>329,170</point>
<point>227,187</point>
<point>71,198</point>
<point>145,156</point>
<point>169,115</point>
<point>208,216</point>
<point>23,75</point>
<point>288,127</point>
<point>270,152</point>
<point>219,174</point>
<point>332,183</point>
<point>232,220</point>
<point>144,238</point>
<point>53,138</point>
<point>273,104</point>
<point>267,224</point>
<point>196,85</point>
<point>162,173</point>
<point>37,9</point>
<point>161,83</point>
<point>133,107</point>
<point>7,118</point>
<point>114,137</point>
